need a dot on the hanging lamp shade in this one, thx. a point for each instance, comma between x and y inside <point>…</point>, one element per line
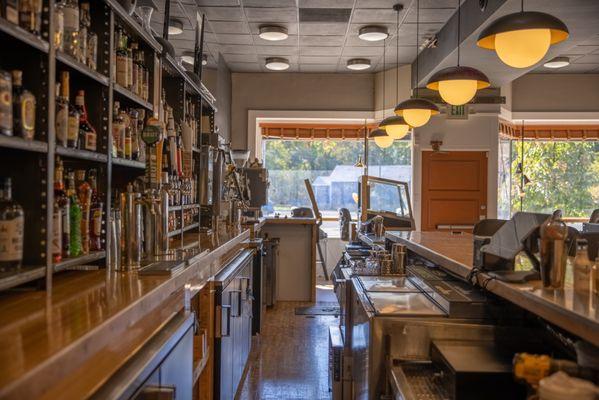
<point>381,138</point>
<point>395,126</point>
<point>458,85</point>
<point>416,112</point>
<point>522,39</point>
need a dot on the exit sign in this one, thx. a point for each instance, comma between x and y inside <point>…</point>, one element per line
<point>457,112</point>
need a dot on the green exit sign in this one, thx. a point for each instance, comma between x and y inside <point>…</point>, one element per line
<point>457,112</point>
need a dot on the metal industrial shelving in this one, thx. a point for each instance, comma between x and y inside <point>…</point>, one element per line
<point>31,163</point>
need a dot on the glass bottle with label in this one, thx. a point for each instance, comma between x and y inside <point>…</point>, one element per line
<point>63,204</point>
<point>97,209</point>
<point>84,28</point>
<point>121,60</point>
<point>11,11</point>
<point>62,116</point>
<point>91,47</point>
<point>133,116</point>
<point>12,220</point>
<point>84,192</point>
<point>74,217</point>
<point>582,267</point>
<point>70,10</point>
<point>30,16</point>
<point>5,103</point>
<point>87,133</point>
<point>73,114</point>
<point>58,26</point>
<point>23,108</point>
<point>134,69</point>
<point>118,132</point>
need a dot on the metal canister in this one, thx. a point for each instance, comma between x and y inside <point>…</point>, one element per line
<point>162,223</point>
<point>114,255</point>
<point>378,227</point>
<point>398,254</point>
<point>131,241</point>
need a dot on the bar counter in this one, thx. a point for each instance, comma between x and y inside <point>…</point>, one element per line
<point>67,344</point>
<point>576,313</point>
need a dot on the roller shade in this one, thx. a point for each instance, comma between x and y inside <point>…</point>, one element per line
<point>510,130</point>
<point>291,131</point>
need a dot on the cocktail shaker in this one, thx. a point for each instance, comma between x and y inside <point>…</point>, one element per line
<point>131,241</point>
<point>114,255</point>
<point>553,251</point>
<point>398,254</point>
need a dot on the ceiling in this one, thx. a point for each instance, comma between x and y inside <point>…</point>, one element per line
<point>584,58</point>
<point>232,30</point>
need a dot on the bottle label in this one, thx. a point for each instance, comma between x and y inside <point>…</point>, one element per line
<point>5,104</point>
<point>90,141</point>
<point>62,125</point>
<point>71,18</point>
<point>11,239</point>
<point>121,70</point>
<point>57,232</point>
<point>28,117</point>
<point>118,133</point>
<point>127,146</point>
<point>73,128</point>
<point>97,222</point>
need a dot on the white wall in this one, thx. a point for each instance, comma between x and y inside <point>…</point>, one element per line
<point>478,133</point>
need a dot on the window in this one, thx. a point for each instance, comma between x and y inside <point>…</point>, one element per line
<point>557,175</point>
<point>329,164</point>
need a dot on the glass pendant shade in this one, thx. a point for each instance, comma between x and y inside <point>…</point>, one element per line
<point>458,85</point>
<point>416,112</point>
<point>381,138</point>
<point>395,126</point>
<point>523,39</point>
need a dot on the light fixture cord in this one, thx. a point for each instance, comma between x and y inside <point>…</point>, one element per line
<point>522,5</point>
<point>417,33</point>
<point>522,165</point>
<point>397,62</point>
<point>459,27</point>
<point>384,73</point>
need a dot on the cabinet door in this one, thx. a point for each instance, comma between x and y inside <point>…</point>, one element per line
<point>226,347</point>
<point>176,370</point>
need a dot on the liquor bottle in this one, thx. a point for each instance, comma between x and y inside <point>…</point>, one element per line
<point>57,216</point>
<point>91,54</point>
<point>30,16</point>
<point>74,217</point>
<point>141,156</point>
<point>146,77</point>
<point>123,134</point>
<point>87,133</point>
<point>129,63</point>
<point>73,118</point>
<point>11,229</point>
<point>582,267</point>
<point>128,135</point>
<point>62,117</point>
<point>11,11</point>
<point>70,9</point>
<point>134,69</point>
<point>23,108</point>
<point>84,192</point>
<point>5,103</point>
<point>63,203</point>
<point>58,26</point>
<point>133,117</point>
<point>118,127</point>
<point>84,29</point>
<point>96,211</point>
<point>121,59</point>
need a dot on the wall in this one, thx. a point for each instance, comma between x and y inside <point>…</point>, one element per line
<point>218,81</point>
<point>478,133</point>
<point>556,93</point>
<point>391,83</point>
<point>296,92</point>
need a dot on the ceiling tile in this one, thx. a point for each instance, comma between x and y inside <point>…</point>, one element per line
<point>313,28</point>
<point>291,27</point>
<point>375,16</point>
<point>229,27</point>
<point>355,28</point>
<point>326,68</point>
<point>244,67</point>
<point>322,40</point>
<point>271,14</point>
<point>293,60</point>
<point>362,51</point>
<point>203,3</point>
<point>237,49</point>
<point>440,15</point>
<point>234,39</point>
<point>326,3</point>
<point>588,59</point>
<point>319,60</point>
<point>582,49</point>
<point>290,41</point>
<point>276,50</point>
<point>320,51</point>
<point>224,13</point>
<point>240,58</point>
<point>269,3</point>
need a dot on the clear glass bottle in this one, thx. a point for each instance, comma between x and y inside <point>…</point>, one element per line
<point>74,217</point>
<point>118,132</point>
<point>84,192</point>
<point>121,59</point>
<point>96,212</point>
<point>62,115</point>
<point>5,103</point>
<point>582,267</point>
<point>11,11</point>
<point>58,26</point>
<point>63,203</point>
<point>23,108</point>
<point>12,220</point>
<point>73,118</point>
<point>30,16</point>
<point>84,29</point>
<point>91,54</point>
<point>87,133</point>
<point>134,69</point>
<point>70,9</point>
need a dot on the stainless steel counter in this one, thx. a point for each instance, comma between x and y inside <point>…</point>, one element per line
<point>577,314</point>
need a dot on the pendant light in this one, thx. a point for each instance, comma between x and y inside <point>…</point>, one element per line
<point>522,39</point>
<point>458,85</point>
<point>395,125</point>
<point>416,111</point>
<point>381,138</point>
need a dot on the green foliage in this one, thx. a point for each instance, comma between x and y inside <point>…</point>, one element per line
<point>564,175</point>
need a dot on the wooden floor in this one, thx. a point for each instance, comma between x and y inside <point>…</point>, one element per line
<point>290,359</point>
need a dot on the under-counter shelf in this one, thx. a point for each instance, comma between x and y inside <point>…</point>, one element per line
<point>81,68</point>
<point>23,36</point>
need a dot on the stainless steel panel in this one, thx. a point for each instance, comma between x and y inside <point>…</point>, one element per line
<point>177,369</point>
<point>387,284</point>
<point>403,304</point>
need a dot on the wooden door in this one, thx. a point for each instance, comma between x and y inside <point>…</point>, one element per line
<point>454,190</point>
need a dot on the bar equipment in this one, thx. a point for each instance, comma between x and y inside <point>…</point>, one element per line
<point>553,251</point>
<point>114,253</point>
<point>131,246</point>
<point>398,253</point>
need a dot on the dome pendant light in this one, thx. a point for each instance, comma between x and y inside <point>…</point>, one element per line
<point>381,138</point>
<point>415,111</point>
<point>522,39</point>
<point>396,126</point>
<point>458,85</point>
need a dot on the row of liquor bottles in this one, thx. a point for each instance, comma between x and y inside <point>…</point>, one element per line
<point>177,220</point>
<point>17,106</point>
<point>130,70</point>
<point>72,31</point>
<point>73,128</point>
<point>25,13</point>
<point>77,213</point>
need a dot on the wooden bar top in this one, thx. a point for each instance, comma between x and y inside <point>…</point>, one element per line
<point>66,343</point>
<point>291,220</point>
<point>574,312</point>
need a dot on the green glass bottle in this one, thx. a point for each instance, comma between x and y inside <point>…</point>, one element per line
<point>75,217</point>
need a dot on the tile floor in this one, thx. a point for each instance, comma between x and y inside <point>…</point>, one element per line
<point>289,360</point>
